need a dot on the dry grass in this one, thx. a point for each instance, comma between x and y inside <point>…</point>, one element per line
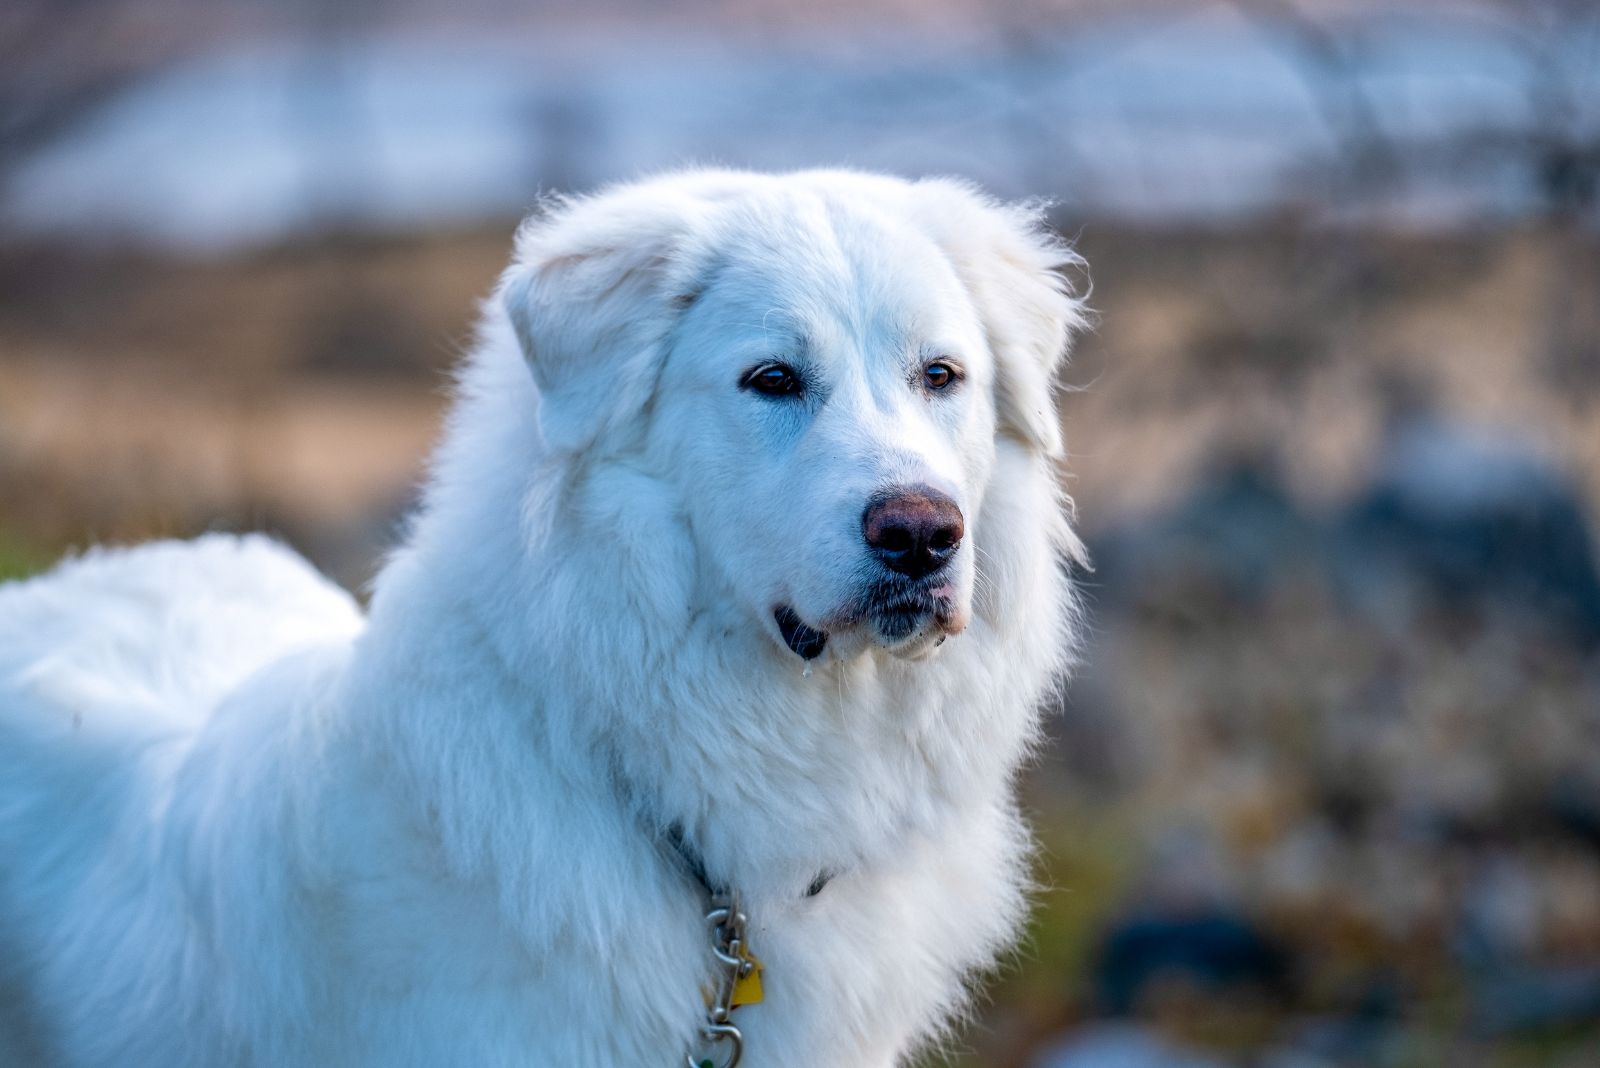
<point>140,396</point>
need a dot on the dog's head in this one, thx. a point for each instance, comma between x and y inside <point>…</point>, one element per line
<point>820,365</point>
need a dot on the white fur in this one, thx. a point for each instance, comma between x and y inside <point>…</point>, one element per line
<point>242,825</point>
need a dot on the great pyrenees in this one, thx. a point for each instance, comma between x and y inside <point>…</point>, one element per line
<point>683,725</point>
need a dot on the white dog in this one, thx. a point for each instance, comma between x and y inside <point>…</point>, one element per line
<point>740,574</point>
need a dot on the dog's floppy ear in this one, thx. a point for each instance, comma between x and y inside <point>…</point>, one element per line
<point>1013,267</point>
<point>590,296</point>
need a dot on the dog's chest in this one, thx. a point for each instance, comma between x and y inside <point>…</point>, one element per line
<point>859,972</point>
<point>852,976</point>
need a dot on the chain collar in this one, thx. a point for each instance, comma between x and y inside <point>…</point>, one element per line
<point>736,966</point>
<point>738,979</point>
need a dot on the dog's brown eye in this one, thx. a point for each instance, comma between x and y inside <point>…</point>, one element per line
<point>938,375</point>
<point>773,380</point>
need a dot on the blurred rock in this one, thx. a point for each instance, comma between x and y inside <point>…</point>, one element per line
<point>1212,949</point>
<point>1499,916</point>
<point>1537,999</point>
<point>1238,530</point>
<point>1120,1046</point>
<point>1454,520</point>
<point>1464,517</point>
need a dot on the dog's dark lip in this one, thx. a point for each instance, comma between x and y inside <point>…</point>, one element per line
<point>802,640</point>
<point>900,613</point>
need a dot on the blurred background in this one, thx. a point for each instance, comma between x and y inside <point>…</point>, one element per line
<point>1327,788</point>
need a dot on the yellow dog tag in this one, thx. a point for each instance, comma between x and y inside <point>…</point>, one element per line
<point>747,988</point>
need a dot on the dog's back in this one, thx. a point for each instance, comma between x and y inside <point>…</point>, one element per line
<point>109,667</point>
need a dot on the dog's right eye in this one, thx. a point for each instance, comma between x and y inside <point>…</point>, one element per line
<point>772,380</point>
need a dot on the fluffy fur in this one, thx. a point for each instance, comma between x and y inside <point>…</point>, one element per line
<point>242,824</point>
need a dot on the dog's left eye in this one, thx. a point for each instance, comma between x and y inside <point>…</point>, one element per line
<point>940,375</point>
<point>772,380</point>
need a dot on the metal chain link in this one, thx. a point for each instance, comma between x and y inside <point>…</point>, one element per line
<point>727,924</point>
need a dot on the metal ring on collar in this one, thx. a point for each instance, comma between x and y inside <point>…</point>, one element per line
<point>717,1033</point>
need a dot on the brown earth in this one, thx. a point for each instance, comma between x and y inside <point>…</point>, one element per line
<point>301,387</point>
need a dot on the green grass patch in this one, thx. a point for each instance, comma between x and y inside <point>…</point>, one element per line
<point>19,559</point>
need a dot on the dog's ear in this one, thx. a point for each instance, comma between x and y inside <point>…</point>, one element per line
<point>590,297</point>
<point>1014,268</point>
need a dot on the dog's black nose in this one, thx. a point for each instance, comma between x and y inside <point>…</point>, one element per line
<point>914,530</point>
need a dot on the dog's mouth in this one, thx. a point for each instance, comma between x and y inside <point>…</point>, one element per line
<point>905,620</point>
<point>803,641</point>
